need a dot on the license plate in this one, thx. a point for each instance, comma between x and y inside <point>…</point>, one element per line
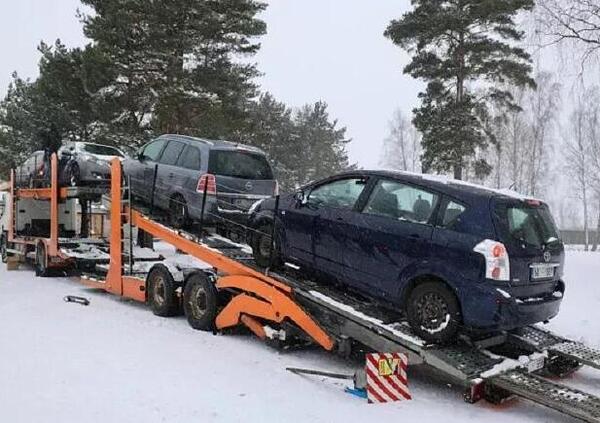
<point>542,271</point>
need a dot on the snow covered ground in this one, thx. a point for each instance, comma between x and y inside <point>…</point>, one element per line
<point>115,361</point>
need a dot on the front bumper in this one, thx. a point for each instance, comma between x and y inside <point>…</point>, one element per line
<point>499,306</point>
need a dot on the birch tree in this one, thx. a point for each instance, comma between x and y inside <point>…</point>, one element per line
<point>402,146</point>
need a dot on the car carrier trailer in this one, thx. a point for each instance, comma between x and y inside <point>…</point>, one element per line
<point>287,308</point>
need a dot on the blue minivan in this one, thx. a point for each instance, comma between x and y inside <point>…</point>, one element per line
<point>450,255</point>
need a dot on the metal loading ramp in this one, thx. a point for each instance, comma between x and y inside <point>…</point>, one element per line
<point>566,400</point>
<point>578,352</point>
<point>536,339</point>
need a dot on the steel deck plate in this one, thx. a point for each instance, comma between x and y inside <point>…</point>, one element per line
<point>578,352</point>
<point>566,400</point>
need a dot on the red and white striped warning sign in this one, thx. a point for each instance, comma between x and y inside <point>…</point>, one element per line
<point>386,377</point>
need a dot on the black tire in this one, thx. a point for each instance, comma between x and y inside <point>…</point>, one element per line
<point>261,247</point>
<point>74,175</point>
<point>433,312</point>
<point>179,217</point>
<point>4,247</point>
<point>41,260</point>
<point>162,295</point>
<point>200,302</point>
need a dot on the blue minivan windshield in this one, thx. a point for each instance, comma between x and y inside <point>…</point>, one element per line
<point>531,225</point>
<point>239,164</point>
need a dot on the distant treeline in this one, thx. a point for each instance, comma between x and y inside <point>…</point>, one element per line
<point>174,66</point>
<point>577,237</point>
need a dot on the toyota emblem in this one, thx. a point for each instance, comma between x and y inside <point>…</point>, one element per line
<point>547,256</point>
<point>249,186</point>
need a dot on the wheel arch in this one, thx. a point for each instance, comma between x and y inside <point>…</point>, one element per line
<point>416,280</point>
<point>177,193</point>
<point>261,218</point>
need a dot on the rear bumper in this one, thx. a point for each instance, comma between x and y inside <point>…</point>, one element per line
<point>215,214</point>
<point>500,307</point>
<point>223,212</point>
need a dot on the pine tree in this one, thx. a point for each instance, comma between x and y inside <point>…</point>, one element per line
<point>62,104</point>
<point>175,63</point>
<point>271,129</point>
<point>463,49</point>
<point>321,144</point>
<point>25,123</point>
<point>303,145</point>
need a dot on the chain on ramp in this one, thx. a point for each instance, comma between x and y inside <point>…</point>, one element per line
<point>572,402</point>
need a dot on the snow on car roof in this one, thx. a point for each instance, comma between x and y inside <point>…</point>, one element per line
<point>446,180</point>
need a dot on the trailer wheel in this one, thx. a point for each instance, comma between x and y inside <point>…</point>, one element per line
<point>433,312</point>
<point>261,247</point>
<point>162,295</point>
<point>200,301</point>
<point>41,260</point>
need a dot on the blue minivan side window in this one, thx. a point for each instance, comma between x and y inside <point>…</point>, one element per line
<point>341,194</point>
<point>401,201</point>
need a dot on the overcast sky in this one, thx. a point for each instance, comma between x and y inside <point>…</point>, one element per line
<point>329,50</point>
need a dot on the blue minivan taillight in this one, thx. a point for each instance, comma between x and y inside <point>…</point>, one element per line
<point>497,263</point>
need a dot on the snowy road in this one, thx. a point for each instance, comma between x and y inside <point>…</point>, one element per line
<point>115,361</point>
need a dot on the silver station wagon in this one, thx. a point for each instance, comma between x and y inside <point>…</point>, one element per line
<point>173,172</point>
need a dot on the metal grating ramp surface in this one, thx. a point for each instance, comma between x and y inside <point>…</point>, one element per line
<point>566,400</point>
<point>537,338</point>
<point>578,352</point>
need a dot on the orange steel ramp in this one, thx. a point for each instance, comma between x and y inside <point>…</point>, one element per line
<point>262,297</point>
<point>268,303</point>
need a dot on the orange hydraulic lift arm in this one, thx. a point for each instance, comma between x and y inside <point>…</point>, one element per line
<point>261,297</point>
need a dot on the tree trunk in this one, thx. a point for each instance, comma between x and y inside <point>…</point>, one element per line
<point>460,87</point>
<point>597,237</point>
<point>586,230</point>
<point>458,171</point>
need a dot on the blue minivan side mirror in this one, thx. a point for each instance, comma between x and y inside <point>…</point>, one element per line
<point>300,197</point>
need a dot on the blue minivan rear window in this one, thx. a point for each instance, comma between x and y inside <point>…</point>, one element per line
<point>529,224</point>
